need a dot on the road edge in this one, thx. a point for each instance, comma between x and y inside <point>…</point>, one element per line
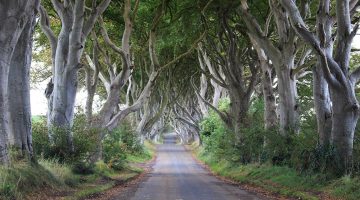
<point>259,191</point>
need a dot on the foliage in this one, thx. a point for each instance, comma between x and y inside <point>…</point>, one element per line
<point>83,139</point>
<point>276,179</point>
<point>145,155</point>
<point>118,144</point>
<point>284,180</point>
<point>22,178</point>
<point>54,170</point>
<point>299,151</point>
<point>40,137</point>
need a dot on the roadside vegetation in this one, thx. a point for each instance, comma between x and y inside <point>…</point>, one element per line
<point>268,90</point>
<point>295,167</point>
<point>73,175</point>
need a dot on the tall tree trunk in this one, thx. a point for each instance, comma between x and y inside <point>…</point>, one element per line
<point>17,20</point>
<point>288,107</point>
<point>282,56</point>
<point>144,119</point>
<point>270,116</point>
<point>205,62</point>
<point>67,50</point>
<point>203,86</point>
<point>345,116</point>
<point>63,96</point>
<point>19,93</point>
<point>119,80</point>
<point>217,93</point>
<point>239,108</point>
<point>336,70</point>
<point>91,80</point>
<point>5,59</point>
<point>322,105</point>
<point>89,106</point>
<point>322,101</point>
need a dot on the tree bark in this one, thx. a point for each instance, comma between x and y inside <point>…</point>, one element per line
<point>119,80</point>
<point>345,118</point>
<point>288,107</point>
<point>67,49</point>
<point>282,56</point>
<point>144,96</point>
<point>203,86</point>
<point>204,60</point>
<point>144,118</point>
<point>218,90</point>
<point>322,101</point>
<point>19,93</point>
<point>337,74</point>
<point>17,20</point>
<point>322,105</point>
<point>270,116</point>
<point>91,80</point>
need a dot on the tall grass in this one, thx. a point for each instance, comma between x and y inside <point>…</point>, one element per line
<point>22,178</point>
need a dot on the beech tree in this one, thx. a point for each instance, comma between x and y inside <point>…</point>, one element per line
<point>270,116</point>
<point>282,55</point>
<point>340,79</point>
<point>154,110</point>
<point>110,115</point>
<point>231,51</point>
<point>17,20</point>
<point>213,73</point>
<point>156,68</point>
<point>67,50</point>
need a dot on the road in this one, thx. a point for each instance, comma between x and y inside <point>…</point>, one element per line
<point>177,176</point>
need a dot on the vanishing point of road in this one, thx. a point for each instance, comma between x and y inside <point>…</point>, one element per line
<point>177,176</point>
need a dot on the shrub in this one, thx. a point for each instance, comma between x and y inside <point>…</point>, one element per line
<point>83,140</point>
<point>83,167</point>
<point>300,151</point>
<point>118,144</point>
<point>41,144</point>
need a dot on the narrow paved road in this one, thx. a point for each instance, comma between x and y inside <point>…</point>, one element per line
<point>177,176</point>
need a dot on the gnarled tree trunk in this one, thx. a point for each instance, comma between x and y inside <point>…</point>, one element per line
<point>340,80</point>
<point>67,50</point>
<point>282,56</point>
<point>322,101</point>
<point>270,116</point>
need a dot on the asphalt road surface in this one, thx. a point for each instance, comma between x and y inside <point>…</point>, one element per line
<point>177,176</point>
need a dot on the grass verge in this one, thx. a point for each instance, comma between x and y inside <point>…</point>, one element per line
<point>284,181</point>
<point>109,178</point>
<point>148,154</point>
<point>104,179</point>
<point>20,179</point>
<point>50,178</point>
